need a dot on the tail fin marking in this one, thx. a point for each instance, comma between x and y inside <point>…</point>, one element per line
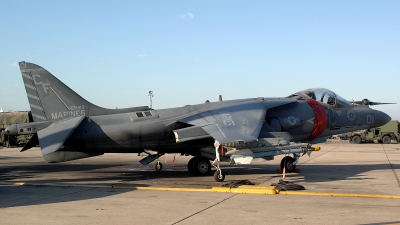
<point>33,96</point>
<point>52,100</point>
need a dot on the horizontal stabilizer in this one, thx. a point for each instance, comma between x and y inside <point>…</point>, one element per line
<point>55,135</point>
<point>33,141</point>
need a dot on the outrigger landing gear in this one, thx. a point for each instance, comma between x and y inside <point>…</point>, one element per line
<point>158,166</point>
<point>219,176</point>
<point>150,158</point>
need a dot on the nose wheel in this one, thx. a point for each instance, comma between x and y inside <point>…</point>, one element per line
<point>218,175</point>
<point>287,163</point>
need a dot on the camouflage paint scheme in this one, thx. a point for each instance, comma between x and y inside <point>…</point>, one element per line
<point>68,127</point>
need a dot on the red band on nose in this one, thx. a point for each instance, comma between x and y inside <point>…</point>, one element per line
<point>320,119</point>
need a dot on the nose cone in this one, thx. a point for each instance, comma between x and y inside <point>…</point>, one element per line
<point>380,119</point>
<point>11,130</point>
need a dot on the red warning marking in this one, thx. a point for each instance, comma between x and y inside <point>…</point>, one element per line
<point>320,119</point>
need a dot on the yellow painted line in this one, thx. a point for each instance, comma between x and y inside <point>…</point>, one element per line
<point>306,193</point>
<point>244,189</point>
<point>54,185</point>
<point>163,188</point>
<point>221,189</point>
<point>256,187</point>
<point>213,189</point>
<point>253,191</point>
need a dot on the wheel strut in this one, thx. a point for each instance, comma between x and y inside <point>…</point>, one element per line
<point>218,175</point>
<point>158,166</point>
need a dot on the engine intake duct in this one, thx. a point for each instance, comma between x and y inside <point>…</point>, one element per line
<point>190,134</point>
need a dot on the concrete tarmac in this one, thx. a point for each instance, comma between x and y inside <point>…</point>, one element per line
<point>79,191</point>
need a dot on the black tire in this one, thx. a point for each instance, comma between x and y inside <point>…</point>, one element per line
<point>201,166</point>
<point>287,163</point>
<point>356,140</point>
<point>386,140</point>
<point>158,166</point>
<point>219,177</point>
<point>190,166</point>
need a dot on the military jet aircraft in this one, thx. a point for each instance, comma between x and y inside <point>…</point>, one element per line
<point>68,127</point>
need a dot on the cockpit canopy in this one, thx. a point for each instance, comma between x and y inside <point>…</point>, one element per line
<point>322,95</point>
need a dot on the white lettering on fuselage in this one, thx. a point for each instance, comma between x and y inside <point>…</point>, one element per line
<point>74,112</point>
<point>370,118</point>
<point>227,119</point>
<point>76,107</point>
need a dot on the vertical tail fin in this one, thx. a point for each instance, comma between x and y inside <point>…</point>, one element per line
<point>52,100</point>
<point>49,98</point>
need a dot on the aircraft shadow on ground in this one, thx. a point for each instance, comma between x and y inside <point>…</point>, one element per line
<point>103,173</point>
<point>124,176</point>
<point>16,196</point>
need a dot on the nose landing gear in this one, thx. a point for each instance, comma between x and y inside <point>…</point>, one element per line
<point>218,175</point>
<point>288,163</point>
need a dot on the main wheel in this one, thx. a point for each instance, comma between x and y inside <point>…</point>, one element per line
<point>386,140</point>
<point>219,177</point>
<point>190,166</point>
<point>356,140</point>
<point>158,166</point>
<point>200,166</point>
<point>287,163</point>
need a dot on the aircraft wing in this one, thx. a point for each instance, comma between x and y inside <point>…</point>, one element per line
<point>240,122</point>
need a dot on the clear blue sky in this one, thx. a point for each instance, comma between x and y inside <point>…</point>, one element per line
<point>113,52</point>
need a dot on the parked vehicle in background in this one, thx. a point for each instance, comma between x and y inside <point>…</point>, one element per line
<point>383,134</point>
<point>8,118</point>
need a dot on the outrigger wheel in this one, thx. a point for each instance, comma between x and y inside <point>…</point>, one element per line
<point>158,166</point>
<point>287,163</point>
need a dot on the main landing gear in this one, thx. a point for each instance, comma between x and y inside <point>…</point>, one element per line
<point>199,166</point>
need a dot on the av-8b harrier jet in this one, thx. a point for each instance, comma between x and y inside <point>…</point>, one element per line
<point>68,127</point>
